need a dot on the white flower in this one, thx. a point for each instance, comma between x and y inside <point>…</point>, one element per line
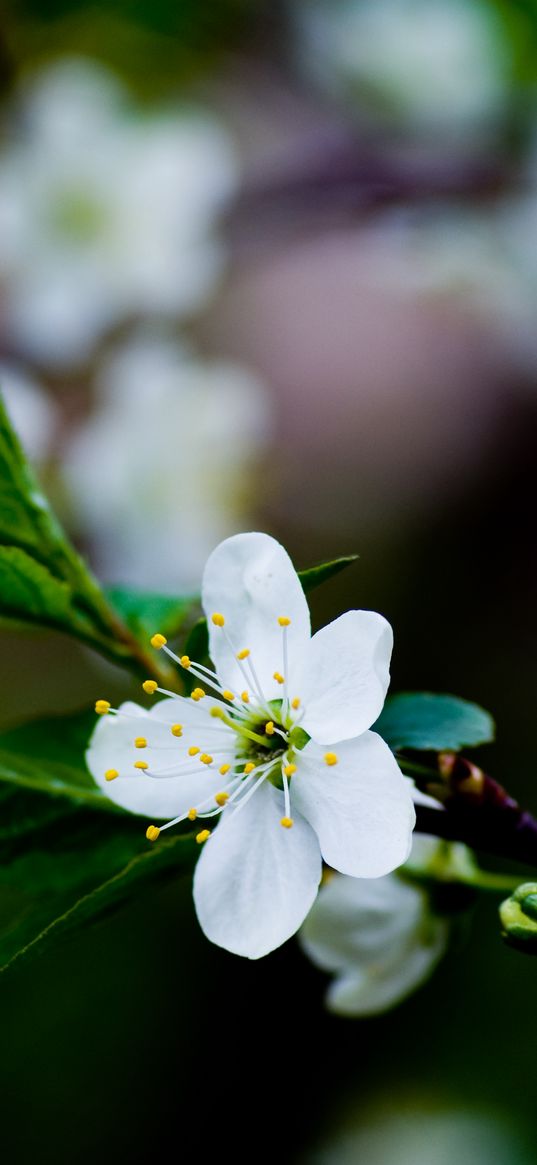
<point>380,937</point>
<point>105,211</point>
<point>287,760</point>
<point>165,460</point>
<point>433,64</point>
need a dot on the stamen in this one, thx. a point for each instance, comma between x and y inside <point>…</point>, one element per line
<point>111,774</point>
<point>295,703</point>
<point>278,677</point>
<point>158,641</point>
<point>330,758</point>
<point>150,686</point>
<point>140,742</point>
<point>221,798</point>
<point>228,695</point>
<point>269,728</point>
<point>289,770</point>
<point>287,822</point>
<point>176,729</point>
<point>249,768</point>
<point>283,621</point>
<point>198,694</point>
<point>152,832</point>
<point>206,759</point>
<point>193,750</point>
<point>244,653</point>
<point>287,816</point>
<point>218,619</point>
<point>201,837</point>
<point>185,661</point>
<point>245,697</point>
<point>192,814</point>
<point>141,764</point>
<point>224,769</point>
<point>102,707</point>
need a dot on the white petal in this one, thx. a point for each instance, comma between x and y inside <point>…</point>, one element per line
<point>256,881</point>
<point>360,808</point>
<point>420,798</point>
<point>343,676</point>
<point>250,579</point>
<point>378,935</point>
<point>112,747</point>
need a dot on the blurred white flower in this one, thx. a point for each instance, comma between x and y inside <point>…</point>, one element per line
<point>105,211</point>
<point>161,472</point>
<point>31,409</point>
<point>378,936</point>
<point>427,64</point>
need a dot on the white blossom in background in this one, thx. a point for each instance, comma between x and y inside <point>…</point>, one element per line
<point>165,466</point>
<point>380,938</point>
<point>106,210</point>
<point>31,409</point>
<point>426,64</point>
<point>274,743</point>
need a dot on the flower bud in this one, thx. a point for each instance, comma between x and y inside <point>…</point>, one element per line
<point>518,915</point>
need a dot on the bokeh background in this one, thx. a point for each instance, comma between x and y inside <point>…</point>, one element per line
<point>274,265</point>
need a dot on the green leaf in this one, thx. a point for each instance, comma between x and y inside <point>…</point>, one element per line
<point>42,579</point>
<point>146,612</point>
<point>424,720</point>
<point>47,756</point>
<point>315,575</point>
<point>75,872</point>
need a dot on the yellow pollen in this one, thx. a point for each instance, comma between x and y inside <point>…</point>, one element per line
<point>278,677</point>
<point>269,728</point>
<point>193,751</point>
<point>206,759</point>
<point>140,742</point>
<point>141,764</point>
<point>228,695</point>
<point>158,641</point>
<point>330,758</point>
<point>152,832</point>
<point>201,837</point>
<point>111,774</point>
<point>192,814</point>
<point>283,620</point>
<point>244,653</point>
<point>150,686</point>
<point>295,703</point>
<point>249,768</point>
<point>185,661</point>
<point>198,694</point>
<point>176,729</point>
<point>224,769</point>
<point>216,712</point>
<point>245,697</point>
<point>287,822</point>
<point>221,798</point>
<point>102,707</point>
<point>218,619</point>
<point>289,770</point>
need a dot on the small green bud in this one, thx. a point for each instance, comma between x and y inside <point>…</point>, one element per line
<point>518,916</point>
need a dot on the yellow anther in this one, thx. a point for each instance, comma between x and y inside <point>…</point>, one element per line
<point>198,694</point>
<point>185,661</point>
<point>140,742</point>
<point>201,837</point>
<point>218,619</point>
<point>278,677</point>
<point>330,758</point>
<point>244,653</point>
<point>224,769</point>
<point>289,770</point>
<point>283,620</point>
<point>150,686</point>
<point>269,728</point>
<point>221,798</point>
<point>111,774</point>
<point>192,814</point>
<point>287,822</point>
<point>245,697</point>
<point>295,703</point>
<point>216,712</point>
<point>228,695</point>
<point>141,764</point>
<point>193,751</point>
<point>206,759</point>
<point>158,641</point>
<point>249,768</point>
<point>176,729</point>
<point>102,707</point>
<point>152,832</point>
